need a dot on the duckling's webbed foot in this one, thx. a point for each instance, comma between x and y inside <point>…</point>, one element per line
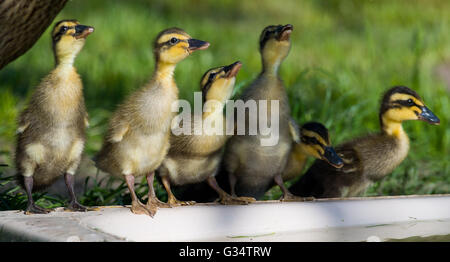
<point>140,209</point>
<point>227,199</point>
<point>76,207</point>
<point>173,202</point>
<point>136,206</point>
<point>154,201</point>
<point>73,204</point>
<point>34,209</point>
<point>290,197</point>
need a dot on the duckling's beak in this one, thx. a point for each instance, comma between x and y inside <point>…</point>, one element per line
<point>82,31</point>
<point>285,32</point>
<point>195,44</point>
<point>332,157</point>
<point>428,116</point>
<point>232,70</point>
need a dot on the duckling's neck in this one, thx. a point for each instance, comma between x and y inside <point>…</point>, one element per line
<point>270,68</point>
<point>300,154</point>
<point>296,163</point>
<point>392,128</point>
<point>213,107</point>
<point>164,72</point>
<point>65,62</point>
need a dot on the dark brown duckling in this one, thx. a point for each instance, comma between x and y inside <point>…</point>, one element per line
<point>252,167</point>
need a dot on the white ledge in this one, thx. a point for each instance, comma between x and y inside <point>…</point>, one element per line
<point>356,219</point>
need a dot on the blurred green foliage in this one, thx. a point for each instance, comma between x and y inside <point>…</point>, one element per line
<point>345,54</point>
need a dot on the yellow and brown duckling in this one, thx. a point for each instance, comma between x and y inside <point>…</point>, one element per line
<point>195,157</point>
<point>137,140</point>
<point>370,158</point>
<point>51,130</point>
<point>314,142</point>
<point>252,167</point>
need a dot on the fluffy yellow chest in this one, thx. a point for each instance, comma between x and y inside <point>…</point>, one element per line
<point>63,93</point>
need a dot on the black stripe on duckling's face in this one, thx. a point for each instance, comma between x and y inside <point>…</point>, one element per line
<point>218,83</point>
<point>275,32</point>
<point>401,103</point>
<point>316,142</point>
<point>70,28</point>
<point>68,38</point>
<point>173,45</point>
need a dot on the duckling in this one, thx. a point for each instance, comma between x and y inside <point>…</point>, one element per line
<point>369,158</point>
<point>314,142</point>
<point>250,166</point>
<point>51,130</point>
<point>23,22</point>
<point>196,158</point>
<point>137,140</point>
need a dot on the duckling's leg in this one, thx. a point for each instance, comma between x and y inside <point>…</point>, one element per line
<point>172,200</point>
<point>288,196</point>
<point>224,197</point>
<point>73,204</point>
<point>232,179</point>
<point>153,202</point>
<point>136,206</point>
<point>32,208</point>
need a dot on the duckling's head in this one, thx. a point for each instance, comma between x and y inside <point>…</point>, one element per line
<point>401,103</point>
<point>315,142</point>
<point>173,45</point>
<point>68,38</point>
<point>274,44</point>
<point>218,83</point>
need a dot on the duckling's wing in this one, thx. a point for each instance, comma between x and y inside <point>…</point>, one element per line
<point>117,130</point>
<point>24,121</point>
<point>352,163</point>
<point>86,119</point>
<point>294,130</point>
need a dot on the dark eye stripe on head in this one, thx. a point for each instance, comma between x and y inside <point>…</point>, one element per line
<point>170,43</point>
<point>267,34</point>
<point>408,103</point>
<point>211,77</point>
<point>311,141</point>
<point>62,30</point>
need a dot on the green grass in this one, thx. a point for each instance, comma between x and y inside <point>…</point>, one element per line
<point>345,54</point>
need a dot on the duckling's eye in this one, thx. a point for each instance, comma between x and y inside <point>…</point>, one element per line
<point>211,76</point>
<point>174,40</point>
<point>64,29</point>
<point>310,140</point>
<point>410,101</point>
